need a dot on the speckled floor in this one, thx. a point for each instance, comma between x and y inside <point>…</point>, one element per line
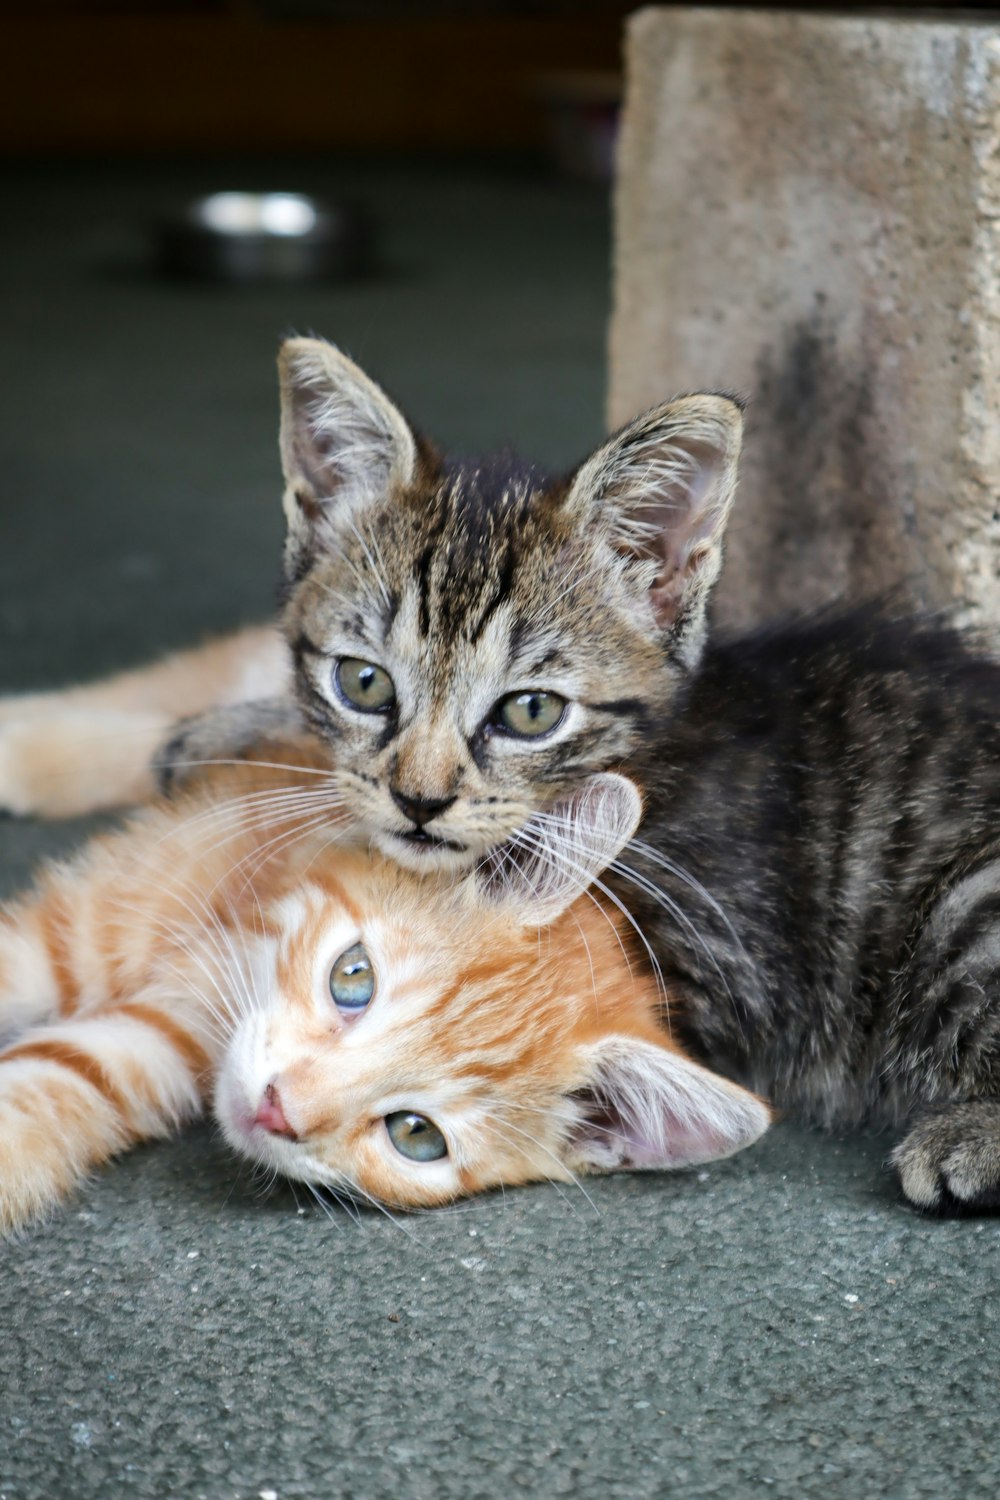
<point>775,1325</point>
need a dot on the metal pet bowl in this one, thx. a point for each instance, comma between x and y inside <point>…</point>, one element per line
<point>245,237</point>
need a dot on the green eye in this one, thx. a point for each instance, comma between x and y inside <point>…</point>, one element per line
<point>352,981</point>
<point>364,685</point>
<point>415,1137</point>
<point>529,714</point>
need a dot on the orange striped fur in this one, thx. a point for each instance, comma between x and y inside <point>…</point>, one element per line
<point>185,961</point>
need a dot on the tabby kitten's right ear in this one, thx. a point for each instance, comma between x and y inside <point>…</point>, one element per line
<point>662,488</point>
<point>343,444</point>
<point>559,852</point>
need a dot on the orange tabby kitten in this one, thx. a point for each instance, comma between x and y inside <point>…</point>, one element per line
<point>357,1027</point>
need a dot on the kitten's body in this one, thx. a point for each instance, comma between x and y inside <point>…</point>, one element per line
<point>829,796</point>
<point>188,958</point>
<point>835,786</point>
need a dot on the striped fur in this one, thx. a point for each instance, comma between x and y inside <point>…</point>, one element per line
<point>819,875</point>
<point>186,959</point>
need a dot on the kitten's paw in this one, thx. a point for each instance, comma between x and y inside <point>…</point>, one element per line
<point>950,1159</point>
<point>16,790</point>
<point>37,770</point>
<point>39,1165</point>
<point>59,763</point>
<point>220,735</point>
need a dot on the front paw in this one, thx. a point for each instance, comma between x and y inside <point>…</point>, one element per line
<point>41,770</point>
<point>61,762</point>
<point>21,791</point>
<point>950,1159</point>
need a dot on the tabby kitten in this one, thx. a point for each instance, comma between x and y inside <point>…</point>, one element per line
<point>819,877</point>
<point>471,640</point>
<point>361,1029</point>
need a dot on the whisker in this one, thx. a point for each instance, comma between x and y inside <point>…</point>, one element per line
<point>236,760</point>
<point>655,856</point>
<point>557,858</point>
<point>327,1207</point>
<point>504,1124</point>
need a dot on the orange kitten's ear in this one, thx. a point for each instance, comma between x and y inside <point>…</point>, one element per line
<point>648,1106</point>
<point>664,485</point>
<point>343,444</point>
<point>558,853</point>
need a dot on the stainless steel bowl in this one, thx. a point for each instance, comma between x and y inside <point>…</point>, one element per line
<point>245,237</point>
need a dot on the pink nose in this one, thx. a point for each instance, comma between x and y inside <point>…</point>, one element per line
<point>270,1115</point>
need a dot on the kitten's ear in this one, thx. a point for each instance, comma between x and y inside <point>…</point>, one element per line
<point>559,852</point>
<point>647,1106</point>
<point>664,484</point>
<point>343,442</point>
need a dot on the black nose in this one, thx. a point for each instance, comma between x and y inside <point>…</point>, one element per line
<point>420,810</point>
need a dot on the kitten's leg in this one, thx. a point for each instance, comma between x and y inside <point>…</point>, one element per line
<point>950,1158</point>
<point>79,749</point>
<point>76,1093</point>
<point>224,734</point>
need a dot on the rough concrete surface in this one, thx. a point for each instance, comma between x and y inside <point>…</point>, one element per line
<point>807,213</point>
<point>775,1325</point>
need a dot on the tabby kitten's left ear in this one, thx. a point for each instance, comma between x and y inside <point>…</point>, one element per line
<point>559,852</point>
<point>343,444</point>
<point>663,487</point>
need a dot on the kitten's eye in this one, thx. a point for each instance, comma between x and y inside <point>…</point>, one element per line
<point>364,685</point>
<point>415,1137</point>
<point>529,714</point>
<point>352,981</point>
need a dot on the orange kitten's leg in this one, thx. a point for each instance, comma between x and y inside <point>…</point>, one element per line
<point>112,1013</point>
<point>76,1093</point>
<point>84,748</point>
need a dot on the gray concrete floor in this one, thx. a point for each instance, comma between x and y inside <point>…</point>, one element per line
<point>775,1325</point>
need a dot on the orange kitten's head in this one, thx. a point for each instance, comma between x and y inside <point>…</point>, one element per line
<point>415,1041</point>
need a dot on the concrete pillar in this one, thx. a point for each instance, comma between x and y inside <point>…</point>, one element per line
<point>808,212</point>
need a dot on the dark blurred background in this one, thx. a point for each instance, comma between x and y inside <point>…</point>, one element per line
<point>139,507</point>
<point>137,76</point>
<point>165,75</point>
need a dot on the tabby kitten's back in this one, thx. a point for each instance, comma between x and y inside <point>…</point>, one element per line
<point>819,874</point>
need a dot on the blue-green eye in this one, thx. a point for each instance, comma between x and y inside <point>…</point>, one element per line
<point>529,714</point>
<point>364,685</point>
<point>352,981</point>
<point>415,1137</point>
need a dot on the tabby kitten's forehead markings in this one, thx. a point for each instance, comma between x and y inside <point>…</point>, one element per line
<point>476,639</point>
